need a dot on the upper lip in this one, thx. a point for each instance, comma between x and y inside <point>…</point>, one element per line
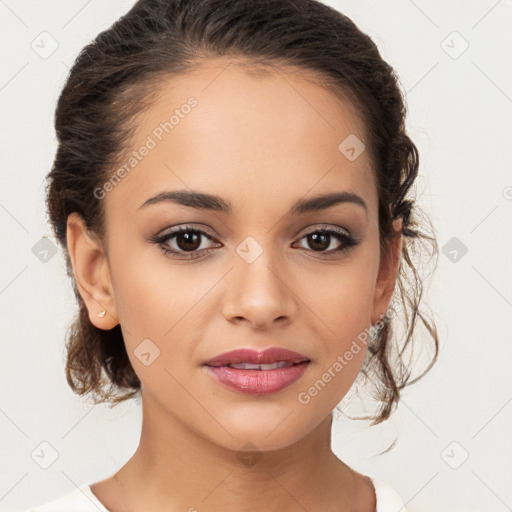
<point>247,355</point>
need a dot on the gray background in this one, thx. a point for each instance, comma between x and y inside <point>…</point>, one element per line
<point>454,448</point>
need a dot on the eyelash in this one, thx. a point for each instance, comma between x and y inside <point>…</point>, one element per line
<point>348,241</point>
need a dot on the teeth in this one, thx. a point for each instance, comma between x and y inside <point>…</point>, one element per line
<point>252,366</point>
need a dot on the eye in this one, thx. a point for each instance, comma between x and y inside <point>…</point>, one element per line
<point>186,242</point>
<point>324,238</point>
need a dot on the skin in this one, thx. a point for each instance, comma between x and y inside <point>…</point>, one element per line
<point>260,142</point>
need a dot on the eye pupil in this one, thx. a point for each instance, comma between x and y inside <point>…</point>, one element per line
<point>189,238</point>
<point>314,238</point>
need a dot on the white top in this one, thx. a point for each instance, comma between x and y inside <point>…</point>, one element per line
<point>83,500</point>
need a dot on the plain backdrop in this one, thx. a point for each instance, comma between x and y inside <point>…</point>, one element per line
<point>453,447</point>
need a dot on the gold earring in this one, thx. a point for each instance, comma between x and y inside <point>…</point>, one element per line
<point>102,314</point>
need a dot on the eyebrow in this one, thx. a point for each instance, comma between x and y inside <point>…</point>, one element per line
<point>204,201</point>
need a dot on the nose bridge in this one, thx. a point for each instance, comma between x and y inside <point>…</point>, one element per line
<point>259,291</point>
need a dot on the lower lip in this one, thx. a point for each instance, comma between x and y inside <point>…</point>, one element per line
<point>257,382</point>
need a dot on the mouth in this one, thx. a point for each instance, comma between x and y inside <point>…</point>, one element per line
<point>257,373</point>
<point>260,360</point>
<point>265,367</point>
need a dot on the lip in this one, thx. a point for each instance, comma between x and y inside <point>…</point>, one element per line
<point>257,382</point>
<point>247,355</point>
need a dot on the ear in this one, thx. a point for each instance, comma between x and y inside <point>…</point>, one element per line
<point>388,271</point>
<point>92,273</point>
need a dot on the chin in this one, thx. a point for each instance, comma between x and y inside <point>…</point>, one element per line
<point>264,432</point>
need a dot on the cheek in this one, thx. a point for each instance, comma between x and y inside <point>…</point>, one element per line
<point>342,305</point>
<point>149,293</point>
<point>158,302</point>
<point>341,299</point>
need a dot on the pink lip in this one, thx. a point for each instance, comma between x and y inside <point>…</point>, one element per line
<point>247,355</point>
<point>257,382</point>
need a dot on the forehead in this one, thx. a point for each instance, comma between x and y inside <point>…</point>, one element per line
<point>271,131</point>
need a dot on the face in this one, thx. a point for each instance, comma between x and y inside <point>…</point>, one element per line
<point>254,273</point>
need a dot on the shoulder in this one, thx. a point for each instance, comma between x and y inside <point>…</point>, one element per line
<point>80,500</point>
<point>388,499</point>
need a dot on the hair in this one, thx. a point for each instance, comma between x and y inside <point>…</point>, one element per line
<point>116,77</point>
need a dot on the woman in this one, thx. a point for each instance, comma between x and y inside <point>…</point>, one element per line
<point>230,193</point>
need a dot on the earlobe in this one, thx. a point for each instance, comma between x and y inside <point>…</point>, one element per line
<point>92,275</point>
<point>388,273</point>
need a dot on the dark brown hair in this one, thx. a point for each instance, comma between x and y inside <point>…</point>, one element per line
<point>116,77</point>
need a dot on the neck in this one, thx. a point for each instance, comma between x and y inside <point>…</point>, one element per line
<point>174,468</point>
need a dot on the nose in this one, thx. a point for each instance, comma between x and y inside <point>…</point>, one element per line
<point>259,294</point>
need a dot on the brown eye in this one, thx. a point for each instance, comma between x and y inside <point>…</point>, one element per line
<point>321,239</point>
<point>184,242</point>
<point>188,241</point>
<point>318,241</point>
